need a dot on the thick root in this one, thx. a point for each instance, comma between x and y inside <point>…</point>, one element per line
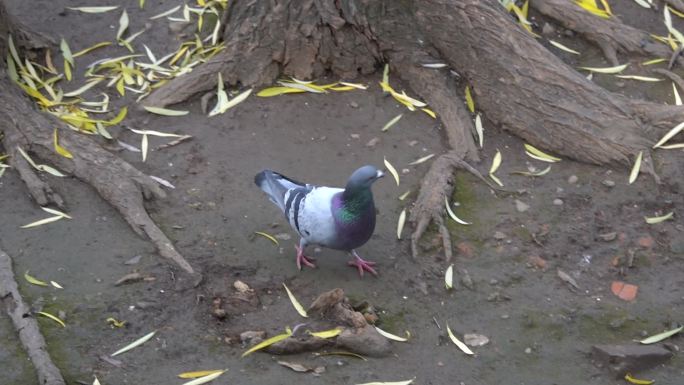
<point>27,327</point>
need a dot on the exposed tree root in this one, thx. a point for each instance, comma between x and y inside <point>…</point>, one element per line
<point>119,183</point>
<point>611,35</point>
<point>27,327</point>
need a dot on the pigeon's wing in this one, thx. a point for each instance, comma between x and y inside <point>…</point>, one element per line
<point>277,186</point>
<point>310,213</point>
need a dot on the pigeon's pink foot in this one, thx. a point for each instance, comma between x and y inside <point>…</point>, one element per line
<point>302,259</point>
<point>362,265</point>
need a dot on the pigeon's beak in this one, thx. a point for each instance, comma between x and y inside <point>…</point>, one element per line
<point>379,174</point>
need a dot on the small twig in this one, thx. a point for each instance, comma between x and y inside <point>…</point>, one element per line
<point>173,142</point>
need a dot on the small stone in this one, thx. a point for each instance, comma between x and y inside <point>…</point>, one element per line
<point>355,136</point>
<point>548,29</point>
<point>677,246</point>
<point>558,202</point>
<point>252,337</point>
<point>373,142</point>
<point>622,359</point>
<point>573,179</point>
<point>412,143</point>
<point>219,313</point>
<point>475,339</point>
<point>241,286</point>
<point>493,282</point>
<point>608,183</point>
<point>354,105</point>
<point>505,316</point>
<point>537,262</point>
<point>499,235</point>
<point>283,236</point>
<point>521,206</point>
<point>134,260</point>
<point>528,350</point>
<point>645,241</point>
<point>559,190</point>
<point>607,237</point>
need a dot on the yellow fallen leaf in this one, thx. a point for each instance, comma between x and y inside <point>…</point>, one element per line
<point>540,155</point>
<point>496,162</point>
<point>59,149</point>
<point>635,169</point>
<point>407,382</point>
<point>267,342</point>
<point>654,220</point>
<point>308,87</point>
<point>400,223</point>
<point>56,285</point>
<point>637,381</point>
<point>390,336</point>
<point>479,129</point>
<point>298,306</point>
<point>678,99</point>
<point>82,89</point>
<point>327,333</point>
<point>56,212</point>
<point>563,48</point>
<point>429,112</point>
<point>123,24</point>
<point>116,323</point>
<point>534,174</point>
<point>52,317</point>
<point>590,6</point>
<point>92,48</point>
<point>392,170</point>
<point>653,61</point>
<point>640,78</point>
<point>391,123</point>
<point>42,221</point>
<point>661,336</point>
<point>144,144</point>
<point>165,13</point>
<point>421,160</point>
<point>268,236</point>
<point>164,111</point>
<point>464,348</point>
<point>198,373</point>
<point>404,195</point>
<point>342,353</point>
<point>205,379</point>
<point>135,343</point>
<point>32,280</point>
<point>453,215</point>
<point>101,9</point>
<point>669,135</point>
<point>469,100</point>
<point>606,70</point>
<point>274,91</point>
<point>355,85</point>
<point>449,277</point>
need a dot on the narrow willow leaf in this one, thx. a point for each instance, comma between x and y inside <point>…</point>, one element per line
<point>267,343</point>
<point>678,99</point>
<point>407,382</point>
<point>385,74</point>
<point>496,179</point>
<point>66,52</point>
<point>669,135</point>
<point>606,70</point>
<point>119,117</point>
<point>82,89</point>
<point>392,170</point>
<point>327,333</point>
<point>274,91</point>
<point>13,52</point>
<point>298,306</point>
<point>672,146</point>
<point>390,336</point>
<point>116,323</point>
<point>347,354</point>
<point>469,100</point>
<point>534,174</point>
<point>33,280</point>
<point>102,131</point>
<point>96,381</point>
<point>123,25</point>
<point>564,48</point>
<point>304,87</point>
<point>56,212</point>
<point>134,344</point>
<point>400,223</point>
<point>453,215</point>
<point>404,195</point>
<point>231,103</point>
<point>654,220</point>
<point>643,3</point>
<point>628,376</point>
<point>449,277</point>
<point>165,111</point>
<point>355,85</point>
<point>143,147</point>
<point>198,373</point>
<point>434,65</point>
<point>661,336</point>
<point>205,379</point>
<point>421,160</point>
<point>56,285</point>
<point>464,348</point>
<point>640,78</point>
<point>496,162</point>
<point>653,61</point>
<point>52,317</point>
<point>42,221</point>
<point>391,123</point>
<point>101,9</point>
<point>479,129</point>
<point>156,133</point>
<point>162,182</point>
<point>268,236</point>
<point>429,112</point>
<point>540,155</point>
<point>590,6</point>
<point>635,169</point>
<point>59,149</point>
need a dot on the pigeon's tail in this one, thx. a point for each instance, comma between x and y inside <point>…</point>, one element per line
<point>276,186</point>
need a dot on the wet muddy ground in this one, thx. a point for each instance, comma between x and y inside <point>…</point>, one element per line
<point>540,327</point>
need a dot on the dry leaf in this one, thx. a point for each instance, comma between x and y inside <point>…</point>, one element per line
<point>449,277</point>
<point>400,223</point>
<point>390,335</point>
<point>464,348</point>
<point>392,170</point>
<point>135,343</point>
<point>268,236</point>
<point>298,306</point>
<point>564,48</point>
<point>635,169</point>
<point>654,220</point>
<point>391,122</point>
<point>661,336</point>
<point>32,280</point>
<point>164,111</point>
<point>52,317</point>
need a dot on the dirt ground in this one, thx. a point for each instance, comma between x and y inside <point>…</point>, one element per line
<point>540,327</point>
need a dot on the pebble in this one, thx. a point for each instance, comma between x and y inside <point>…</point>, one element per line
<point>354,105</point>
<point>355,136</point>
<point>608,183</point>
<point>528,350</point>
<point>521,206</point>
<point>558,202</point>
<point>371,143</point>
<point>499,235</point>
<point>572,179</point>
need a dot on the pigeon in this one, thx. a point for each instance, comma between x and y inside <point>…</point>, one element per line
<point>336,218</point>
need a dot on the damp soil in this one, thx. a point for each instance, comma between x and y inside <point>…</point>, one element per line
<point>540,328</point>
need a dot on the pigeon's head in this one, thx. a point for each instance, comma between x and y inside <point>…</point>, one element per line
<point>364,177</point>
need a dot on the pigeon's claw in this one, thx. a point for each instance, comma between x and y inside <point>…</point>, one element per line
<point>302,259</point>
<point>362,264</point>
